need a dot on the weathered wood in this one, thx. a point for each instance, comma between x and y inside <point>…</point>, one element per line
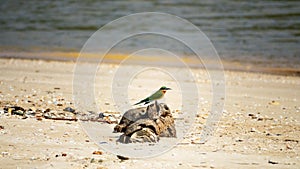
<point>140,124</point>
<point>130,117</point>
<point>146,124</point>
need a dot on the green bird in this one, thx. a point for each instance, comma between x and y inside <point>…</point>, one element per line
<point>155,96</point>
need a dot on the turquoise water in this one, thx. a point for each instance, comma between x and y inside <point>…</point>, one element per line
<point>258,31</point>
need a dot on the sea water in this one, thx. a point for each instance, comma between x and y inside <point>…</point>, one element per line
<point>259,32</point>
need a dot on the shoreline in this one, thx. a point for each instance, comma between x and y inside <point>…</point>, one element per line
<point>154,61</point>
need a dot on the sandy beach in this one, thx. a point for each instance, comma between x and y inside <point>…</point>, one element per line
<point>260,126</point>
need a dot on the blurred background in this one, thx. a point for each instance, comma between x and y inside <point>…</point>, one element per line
<point>265,32</point>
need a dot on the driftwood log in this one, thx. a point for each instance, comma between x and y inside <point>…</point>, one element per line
<point>146,124</point>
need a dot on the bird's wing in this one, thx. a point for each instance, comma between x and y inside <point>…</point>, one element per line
<point>156,95</point>
<point>142,101</point>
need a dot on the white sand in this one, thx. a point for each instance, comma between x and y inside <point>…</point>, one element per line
<point>259,129</point>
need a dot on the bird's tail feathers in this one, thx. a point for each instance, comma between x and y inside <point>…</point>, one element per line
<point>138,103</point>
<point>142,101</point>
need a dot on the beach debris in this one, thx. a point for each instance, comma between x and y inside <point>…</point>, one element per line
<point>272,162</point>
<point>141,135</point>
<point>288,147</point>
<point>253,129</point>
<point>18,112</point>
<point>108,117</point>
<point>2,112</point>
<point>39,118</point>
<point>60,118</point>
<point>146,124</point>
<point>59,115</point>
<point>259,117</point>
<point>14,110</point>
<point>101,115</point>
<point>93,160</point>
<point>68,114</point>
<point>239,140</point>
<point>4,153</point>
<point>97,153</point>
<point>56,113</point>
<point>69,109</point>
<point>39,115</point>
<point>30,113</point>
<point>122,158</point>
<point>291,140</point>
<point>273,102</point>
<point>251,115</point>
<point>130,117</point>
<point>1,127</point>
<point>62,154</point>
<point>105,117</point>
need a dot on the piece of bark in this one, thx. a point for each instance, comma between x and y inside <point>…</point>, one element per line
<point>130,117</point>
<point>150,123</point>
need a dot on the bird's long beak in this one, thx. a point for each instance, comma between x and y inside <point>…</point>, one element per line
<point>168,89</point>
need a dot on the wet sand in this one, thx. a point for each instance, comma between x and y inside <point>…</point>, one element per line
<point>268,66</point>
<point>259,128</point>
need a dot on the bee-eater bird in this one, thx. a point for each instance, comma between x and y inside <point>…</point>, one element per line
<point>155,96</point>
